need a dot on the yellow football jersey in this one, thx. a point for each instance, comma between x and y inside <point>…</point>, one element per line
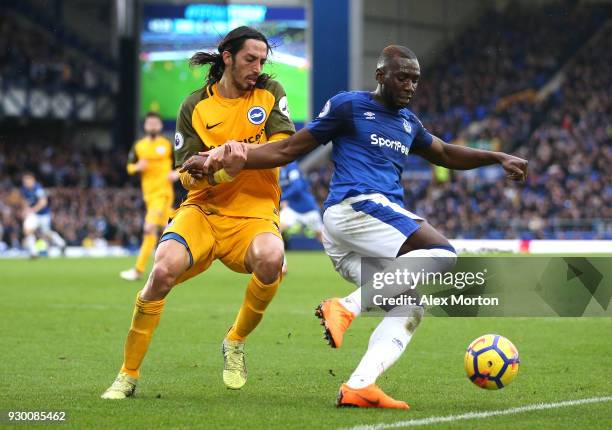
<point>158,154</point>
<point>207,120</point>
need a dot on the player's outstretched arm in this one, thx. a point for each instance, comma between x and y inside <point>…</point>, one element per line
<point>234,156</point>
<point>281,152</point>
<point>458,157</point>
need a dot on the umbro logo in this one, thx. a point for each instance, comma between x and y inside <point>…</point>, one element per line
<point>208,126</point>
<point>369,115</point>
<point>398,343</point>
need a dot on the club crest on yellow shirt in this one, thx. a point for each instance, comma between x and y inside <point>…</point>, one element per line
<point>256,115</point>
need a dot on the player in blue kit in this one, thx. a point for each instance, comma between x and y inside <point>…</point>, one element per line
<point>37,215</point>
<point>298,205</point>
<point>372,134</point>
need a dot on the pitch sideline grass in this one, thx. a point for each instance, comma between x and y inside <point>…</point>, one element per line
<point>64,323</point>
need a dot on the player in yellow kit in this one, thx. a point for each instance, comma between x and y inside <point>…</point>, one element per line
<point>234,220</point>
<point>151,156</point>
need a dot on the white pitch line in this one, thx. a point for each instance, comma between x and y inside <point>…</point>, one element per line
<point>486,414</point>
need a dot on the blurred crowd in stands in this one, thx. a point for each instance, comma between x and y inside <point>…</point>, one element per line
<point>92,199</point>
<point>487,89</point>
<point>28,56</point>
<point>506,51</point>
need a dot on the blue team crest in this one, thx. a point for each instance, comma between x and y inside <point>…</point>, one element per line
<point>407,126</point>
<point>325,109</point>
<point>256,115</point>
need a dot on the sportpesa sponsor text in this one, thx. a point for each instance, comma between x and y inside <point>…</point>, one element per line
<point>393,144</point>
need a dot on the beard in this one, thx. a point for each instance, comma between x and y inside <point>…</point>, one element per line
<point>242,86</point>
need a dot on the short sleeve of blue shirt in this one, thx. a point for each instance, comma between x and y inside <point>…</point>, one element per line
<point>40,192</point>
<point>335,119</point>
<point>422,138</point>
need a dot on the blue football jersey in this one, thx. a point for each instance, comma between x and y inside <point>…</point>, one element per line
<point>370,145</point>
<point>33,195</point>
<point>296,189</point>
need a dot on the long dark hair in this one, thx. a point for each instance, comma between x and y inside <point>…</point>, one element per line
<point>232,42</point>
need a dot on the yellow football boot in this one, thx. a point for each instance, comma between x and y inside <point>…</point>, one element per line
<point>234,366</point>
<point>123,387</point>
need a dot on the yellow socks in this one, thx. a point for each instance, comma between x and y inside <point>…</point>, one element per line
<point>256,300</point>
<point>148,245</point>
<point>144,321</point>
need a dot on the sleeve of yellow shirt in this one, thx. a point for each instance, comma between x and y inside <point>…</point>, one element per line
<point>190,183</point>
<point>279,120</point>
<point>279,136</point>
<point>132,160</point>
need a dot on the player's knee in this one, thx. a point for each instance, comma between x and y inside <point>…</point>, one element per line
<point>169,265</point>
<point>446,258</point>
<point>435,259</point>
<point>415,316</point>
<point>268,264</point>
<point>349,268</point>
<point>161,279</point>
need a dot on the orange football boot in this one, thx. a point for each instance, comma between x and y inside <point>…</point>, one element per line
<point>336,319</point>
<point>368,397</point>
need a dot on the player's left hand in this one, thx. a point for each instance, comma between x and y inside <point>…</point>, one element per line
<point>195,165</point>
<point>515,167</point>
<point>214,161</point>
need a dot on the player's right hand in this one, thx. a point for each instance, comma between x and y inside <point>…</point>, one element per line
<point>515,167</point>
<point>141,165</point>
<point>234,157</point>
<point>231,156</point>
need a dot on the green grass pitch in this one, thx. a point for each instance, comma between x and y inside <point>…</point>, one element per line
<point>165,84</point>
<point>64,321</point>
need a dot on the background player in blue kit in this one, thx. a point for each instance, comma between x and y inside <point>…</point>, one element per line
<point>298,206</point>
<point>37,215</point>
<point>372,134</point>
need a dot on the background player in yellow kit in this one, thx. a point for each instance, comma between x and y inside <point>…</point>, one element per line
<point>234,220</point>
<point>151,156</point>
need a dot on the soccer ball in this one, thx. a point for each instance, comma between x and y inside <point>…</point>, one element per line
<point>491,361</point>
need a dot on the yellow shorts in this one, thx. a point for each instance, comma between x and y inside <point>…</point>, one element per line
<point>159,210</point>
<point>208,237</point>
